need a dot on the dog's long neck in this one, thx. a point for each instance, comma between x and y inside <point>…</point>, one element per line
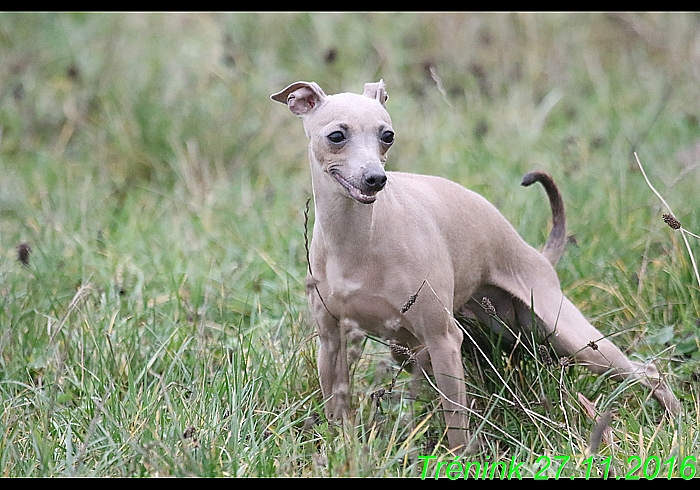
<point>345,225</point>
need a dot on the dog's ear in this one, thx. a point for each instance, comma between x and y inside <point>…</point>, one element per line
<point>301,97</point>
<point>377,90</point>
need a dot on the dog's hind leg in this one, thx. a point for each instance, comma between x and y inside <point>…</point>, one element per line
<point>572,335</point>
<point>588,347</point>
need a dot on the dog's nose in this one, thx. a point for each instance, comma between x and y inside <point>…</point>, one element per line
<point>374,180</point>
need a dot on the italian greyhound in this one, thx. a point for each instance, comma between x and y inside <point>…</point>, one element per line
<point>394,254</point>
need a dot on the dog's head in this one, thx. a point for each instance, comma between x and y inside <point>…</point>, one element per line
<point>349,134</point>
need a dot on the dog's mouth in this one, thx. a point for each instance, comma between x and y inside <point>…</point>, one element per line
<point>358,195</point>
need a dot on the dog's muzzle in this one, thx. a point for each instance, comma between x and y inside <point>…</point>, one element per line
<point>372,182</point>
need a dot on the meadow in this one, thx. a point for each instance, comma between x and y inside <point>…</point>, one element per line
<point>153,320</point>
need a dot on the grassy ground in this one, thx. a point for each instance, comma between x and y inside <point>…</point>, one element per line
<point>159,325</point>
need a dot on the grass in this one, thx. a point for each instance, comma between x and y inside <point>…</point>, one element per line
<point>160,326</point>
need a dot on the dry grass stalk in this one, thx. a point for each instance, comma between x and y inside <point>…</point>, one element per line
<point>671,221</point>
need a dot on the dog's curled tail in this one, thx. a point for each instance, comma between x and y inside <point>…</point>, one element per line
<point>554,248</point>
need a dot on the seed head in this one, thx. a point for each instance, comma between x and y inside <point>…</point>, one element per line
<point>671,221</point>
<point>403,351</point>
<point>407,305</point>
<point>544,355</point>
<point>189,432</point>
<point>488,306</point>
<point>412,299</point>
<point>23,251</point>
<point>377,396</point>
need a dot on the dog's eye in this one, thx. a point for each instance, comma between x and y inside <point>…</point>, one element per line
<point>388,137</point>
<point>336,137</point>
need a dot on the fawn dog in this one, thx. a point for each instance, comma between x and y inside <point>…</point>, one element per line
<point>379,236</point>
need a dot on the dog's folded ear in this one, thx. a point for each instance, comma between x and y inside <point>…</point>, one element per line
<point>376,90</point>
<point>300,97</point>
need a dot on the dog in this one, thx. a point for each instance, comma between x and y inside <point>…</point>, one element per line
<point>395,254</point>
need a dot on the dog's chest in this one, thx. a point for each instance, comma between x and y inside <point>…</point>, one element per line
<point>367,303</point>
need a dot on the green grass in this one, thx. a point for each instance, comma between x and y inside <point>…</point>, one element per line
<point>161,327</point>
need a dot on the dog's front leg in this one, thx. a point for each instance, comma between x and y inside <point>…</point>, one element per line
<point>333,370</point>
